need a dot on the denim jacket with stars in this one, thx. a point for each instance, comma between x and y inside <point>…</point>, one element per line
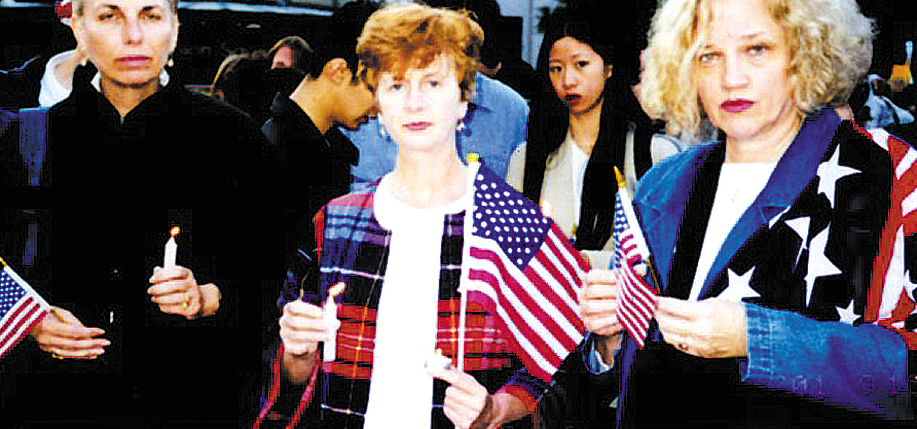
<point>805,332</point>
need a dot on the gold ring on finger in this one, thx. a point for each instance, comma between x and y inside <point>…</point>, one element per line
<point>56,356</point>
<point>186,304</point>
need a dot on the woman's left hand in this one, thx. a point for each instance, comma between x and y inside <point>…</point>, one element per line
<point>712,328</point>
<point>176,291</point>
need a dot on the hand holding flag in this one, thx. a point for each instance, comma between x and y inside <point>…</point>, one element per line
<point>65,337</point>
<point>22,311</point>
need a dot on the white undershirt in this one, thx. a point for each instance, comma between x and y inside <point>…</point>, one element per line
<point>400,390</point>
<point>52,90</point>
<point>579,160</point>
<point>739,185</point>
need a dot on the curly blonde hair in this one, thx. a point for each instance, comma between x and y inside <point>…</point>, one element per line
<point>830,43</point>
<point>410,35</point>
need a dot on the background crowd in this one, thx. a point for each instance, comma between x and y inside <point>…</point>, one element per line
<point>103,138</point>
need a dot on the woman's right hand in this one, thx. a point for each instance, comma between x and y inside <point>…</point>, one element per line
<point>598,301</point>
<point>302,327</point>
<point>64,336</point>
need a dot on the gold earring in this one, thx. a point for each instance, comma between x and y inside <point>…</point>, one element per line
<point>170,63</point>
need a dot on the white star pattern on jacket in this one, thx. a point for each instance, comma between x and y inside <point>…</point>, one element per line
<point>828,174</point>
<point>908,284</point>
<point>819,264</point>
<point>847,314</point>
<point>801,226</point>
<point>778,217</point>
<point>739,286</point>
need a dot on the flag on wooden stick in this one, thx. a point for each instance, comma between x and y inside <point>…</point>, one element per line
<point>521,261</point>
<point>638,299</point>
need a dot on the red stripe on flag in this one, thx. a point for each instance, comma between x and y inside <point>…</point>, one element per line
<point>512,286</point>
<point>22,311</point>
<point>11,334</point>
<point>559,246</point>
<point>569,313</point>
<point>519,322</point>
<point>544,351</point>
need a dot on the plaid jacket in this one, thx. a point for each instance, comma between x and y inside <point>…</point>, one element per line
<point>354,249</point>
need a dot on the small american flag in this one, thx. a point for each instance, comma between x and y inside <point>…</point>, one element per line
<point>520,260</point>
<point>20,308</point>
<point>638,299</point>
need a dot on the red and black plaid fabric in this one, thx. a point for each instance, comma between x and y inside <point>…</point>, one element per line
<point>355,251</point>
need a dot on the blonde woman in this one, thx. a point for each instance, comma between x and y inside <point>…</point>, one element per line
<point>765,241</point>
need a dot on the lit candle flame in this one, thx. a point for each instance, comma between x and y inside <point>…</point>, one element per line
<point>174,231</point>
<point>337,289</point>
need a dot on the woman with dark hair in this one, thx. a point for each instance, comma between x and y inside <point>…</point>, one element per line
<point>579,131</point>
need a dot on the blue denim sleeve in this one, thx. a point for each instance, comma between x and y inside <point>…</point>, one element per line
<point>862,367</point>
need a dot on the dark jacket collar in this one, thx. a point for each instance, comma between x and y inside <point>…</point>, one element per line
<point>661,197</point>
<point>88,99</point>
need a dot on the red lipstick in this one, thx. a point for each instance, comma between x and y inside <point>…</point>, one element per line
<point>134,61</point>
<point>417,126</point>
<point>736,105</point>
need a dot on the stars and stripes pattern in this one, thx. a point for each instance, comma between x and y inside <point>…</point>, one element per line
<point>20,308</point>
<point>521,261</point>
<point>638,300</point>
<point>892,298</point>
<point>818,256</point>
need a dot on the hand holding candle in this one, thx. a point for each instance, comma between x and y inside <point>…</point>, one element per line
<point>331,315</point>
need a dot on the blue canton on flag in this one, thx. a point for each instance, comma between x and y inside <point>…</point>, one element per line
<point>20,309</point>
<point>514,222</point>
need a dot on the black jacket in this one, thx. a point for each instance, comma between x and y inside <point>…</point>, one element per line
<point>19,87</point>
<point>110,192</point>
<point>308,168</point>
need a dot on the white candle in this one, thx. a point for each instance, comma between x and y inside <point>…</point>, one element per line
<point>331,314</point>
<point>171,249</point>
<point>437,360</point>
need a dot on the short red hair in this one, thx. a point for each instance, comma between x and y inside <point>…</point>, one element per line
<point>403,36</point>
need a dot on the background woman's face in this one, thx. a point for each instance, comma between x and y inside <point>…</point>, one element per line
<point>578,74</point>
<point>742,71</point>
<point>129,41</point>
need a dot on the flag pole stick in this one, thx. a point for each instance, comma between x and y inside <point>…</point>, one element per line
<point>468,222</point>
